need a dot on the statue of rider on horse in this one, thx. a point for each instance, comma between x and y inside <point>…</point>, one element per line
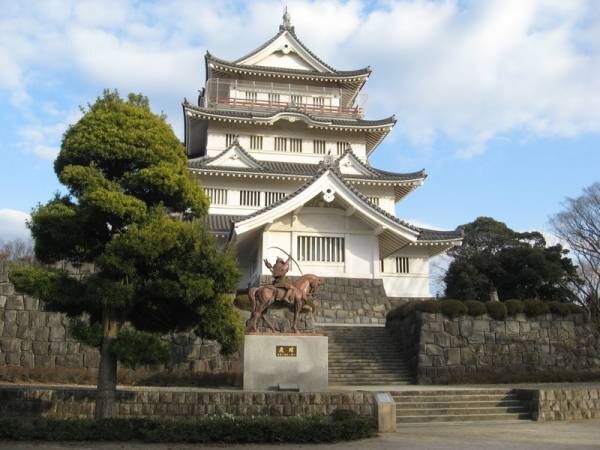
<point>295,294</point>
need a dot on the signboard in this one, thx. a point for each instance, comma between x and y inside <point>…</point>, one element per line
<point>286,351</point>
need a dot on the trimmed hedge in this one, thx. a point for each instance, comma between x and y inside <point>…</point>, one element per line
<point>475,308</point>
<point>453,308</point>
<point>535,308</point>
<point>210,429</point>
<point>560,309</point>
<point>496,310</point>
<point>514,307</point>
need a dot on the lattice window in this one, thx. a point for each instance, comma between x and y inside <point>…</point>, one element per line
<point>251,96</point>
<point>321,249</point>
<point>256,142</point>
<point>295,145</point>
<point>216,196</point>
<point>374,200</point>
<point>273,97</point>
<point>273,197</point>
<point>341,146</point>
<point>280,144</point>
<point>296,99</point>
<point>319,146</point>
<point>402,264</point>
<point>319,102</point>
<point>250,198</point>
<point>229,138</point>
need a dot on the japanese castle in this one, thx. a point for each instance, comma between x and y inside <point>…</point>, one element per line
<point>280,144</point>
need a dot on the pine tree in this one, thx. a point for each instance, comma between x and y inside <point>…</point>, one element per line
<point>134,214</point>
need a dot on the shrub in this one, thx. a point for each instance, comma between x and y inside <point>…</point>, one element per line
<point>342,414</point>
<point>207,429</point>
<point>575,309</point>
<point>453,308</point>
<point>514,307</point>
<point>475,308</point>
<point>535,307</point>
<point>242,301</point>
<point>560,309</point>
<point>428,306</point>
<point>497,310</point>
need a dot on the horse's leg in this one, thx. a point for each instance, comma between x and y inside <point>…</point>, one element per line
<point>297,307</point>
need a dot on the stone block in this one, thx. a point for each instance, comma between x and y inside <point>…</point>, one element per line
<point>41,334</point>
<point>23,318</point>
<point>481,326</point>
<point>10,329</point>
<point>10,344</point>
<point>30,303</point>
<point>14,302</point>
<point>433,350</point>
<point>465,326</point>
<point>10,316</point>
<point>37,319</point>
<point>452,356</point>
<point>467,356</point>
<point>57,333</point>
<point>74,361</point>
<point>2,301</point>
<point>451,327</point>
<point>1,327</point>
<point>13,358</point>
<point>27,360</point>
<point>437,326</point>
<point>24,332</point>
<point>40,348</point>
<point>512,327</point>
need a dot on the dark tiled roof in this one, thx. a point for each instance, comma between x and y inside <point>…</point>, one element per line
<point>424,234</point>
<point>221,223</point>
<point>301,169</point>
<point>267,115</point>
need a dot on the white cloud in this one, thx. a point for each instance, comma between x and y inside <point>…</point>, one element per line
<point>467,72</point>
<point>43,140</point>
<point>12,225</point>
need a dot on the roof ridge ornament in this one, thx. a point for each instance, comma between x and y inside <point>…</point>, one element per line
<point>286,23</point>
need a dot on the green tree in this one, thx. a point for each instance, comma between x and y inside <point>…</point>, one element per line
<point>517,265</point>
<point>134,215</point>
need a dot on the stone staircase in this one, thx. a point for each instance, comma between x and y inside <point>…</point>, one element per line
<point>468,405</point>
<point>364,356</point>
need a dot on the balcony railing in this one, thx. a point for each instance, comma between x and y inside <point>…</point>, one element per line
<point>221,93</point>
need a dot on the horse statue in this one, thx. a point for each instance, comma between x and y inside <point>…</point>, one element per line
<point>295,294</point>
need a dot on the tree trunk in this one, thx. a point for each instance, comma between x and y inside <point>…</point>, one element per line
<point>106,406</point>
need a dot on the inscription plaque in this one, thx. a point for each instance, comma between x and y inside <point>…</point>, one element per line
<point>286,351</point>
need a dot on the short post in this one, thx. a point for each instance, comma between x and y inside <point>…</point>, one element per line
<point>386,412</point>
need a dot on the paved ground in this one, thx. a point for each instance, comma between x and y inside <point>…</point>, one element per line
<point>584,435</point>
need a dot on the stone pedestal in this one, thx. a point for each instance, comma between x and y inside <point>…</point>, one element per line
<point>285,361</point>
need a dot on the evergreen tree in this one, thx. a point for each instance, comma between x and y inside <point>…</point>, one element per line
<point>134,214</point>
<point>517,265</point>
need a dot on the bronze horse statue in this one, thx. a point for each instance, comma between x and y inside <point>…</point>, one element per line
<point>295,294</point>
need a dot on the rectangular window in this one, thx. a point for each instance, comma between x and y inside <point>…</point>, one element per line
<point>280,144</point>
<point>273,98</point>
<point>216,196</point>
<point>321,249</point>
<point>318,102</point>
<point>229,138</point>
<point>250,198</point>
<point>256,142</point>
<point>295,145</point>
<point>402,264</point>
<point>251,96</point>
<point>374,200</point>
<point>273,197</point>
<point>296,99</point>
<point>319,147</point>
<point>341,146</point>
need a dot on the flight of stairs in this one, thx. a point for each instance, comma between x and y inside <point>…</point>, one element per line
<point>472,405</point>
<point>364,356</point>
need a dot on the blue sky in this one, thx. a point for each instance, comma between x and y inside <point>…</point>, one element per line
<point>499,100</point>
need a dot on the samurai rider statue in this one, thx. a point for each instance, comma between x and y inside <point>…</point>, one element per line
<point>279,271</point>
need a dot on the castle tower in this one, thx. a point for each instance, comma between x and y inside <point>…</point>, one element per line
<point>280,144</point>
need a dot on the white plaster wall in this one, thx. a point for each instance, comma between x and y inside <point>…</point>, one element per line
<point>216,142</point>
<point>413,284</point>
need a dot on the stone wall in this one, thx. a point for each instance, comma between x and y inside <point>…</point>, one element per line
<point>350,301</point>
<point>573,403</point>
<point>163,403</point>
<point>479,349</point>
<point>36,340</point>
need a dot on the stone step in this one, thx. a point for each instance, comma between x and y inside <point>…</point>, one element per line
<point>436,392</point>
<point>463,418</point>
<point>458,404</point>
<point>368,380</point>
<point>458,411</point>
<point>453,398</point>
